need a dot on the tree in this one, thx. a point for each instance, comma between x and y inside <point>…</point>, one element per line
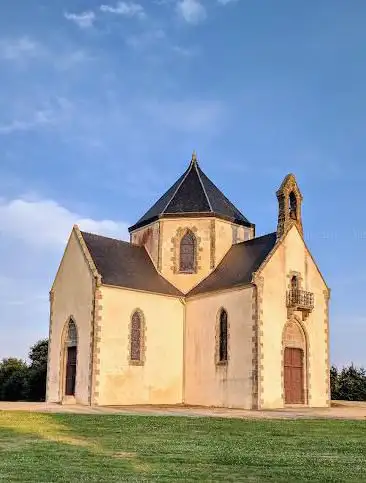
<point>12,379</point>
<point>334,385</point>
<point>349,384</point>
<point>37,371</point>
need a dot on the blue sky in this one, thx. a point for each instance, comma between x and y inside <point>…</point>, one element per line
<point>101,105</point>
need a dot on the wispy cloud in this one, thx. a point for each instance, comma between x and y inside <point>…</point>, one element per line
<point>192,11</point>
<point>184,52</point>
<point>39,118</point>
<point>187,116</point>
<point>145,39</point>
<point>83,20</point>
<point>128,9</point>
<point>226,2</point>
<point>47,223</point>
<point>15,49</point>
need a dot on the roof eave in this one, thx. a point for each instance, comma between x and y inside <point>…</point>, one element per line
<point>206,214</point>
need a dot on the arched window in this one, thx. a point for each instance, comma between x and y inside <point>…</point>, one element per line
<point>136,335</point>
<point>187,260</point>
<point>293,206</point>
<point>72,334</point>
<point>223,336</point>
<point>294,283</point>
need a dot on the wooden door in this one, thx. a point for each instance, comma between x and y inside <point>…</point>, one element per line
<point>70,371</point>
<point>294,376</point>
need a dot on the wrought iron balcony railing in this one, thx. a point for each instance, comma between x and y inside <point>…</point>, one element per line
<point>300,300</point>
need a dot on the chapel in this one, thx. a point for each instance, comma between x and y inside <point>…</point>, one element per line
<point>194,309</point>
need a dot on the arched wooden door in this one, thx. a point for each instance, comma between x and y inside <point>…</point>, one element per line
<point>70,382</point>
<point>71,359</point>
<point>294,375</point>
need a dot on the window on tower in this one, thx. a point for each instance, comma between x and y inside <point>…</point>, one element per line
<point>187,259</point>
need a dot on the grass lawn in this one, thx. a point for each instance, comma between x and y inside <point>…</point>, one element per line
<point>67,447</point>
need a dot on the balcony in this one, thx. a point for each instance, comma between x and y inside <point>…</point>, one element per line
<point>300,300</point>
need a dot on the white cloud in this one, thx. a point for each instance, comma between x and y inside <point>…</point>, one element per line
<point>128,9</point>
<point>47,223</point>
<point>83,20</point>
<point>15,49</point>
<point>192,11</point>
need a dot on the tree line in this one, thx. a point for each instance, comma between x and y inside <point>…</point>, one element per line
<point>348,384</point>
<point>21,381</point>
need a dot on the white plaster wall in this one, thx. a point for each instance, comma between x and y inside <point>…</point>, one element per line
<point>159,380</point>
<point>73,296</point>
<point>207,383</point>
<point>292,255</point>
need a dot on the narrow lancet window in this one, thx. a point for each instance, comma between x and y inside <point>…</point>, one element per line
<point>187,260</point>
<point>223,336</point>
<point>136,337</point>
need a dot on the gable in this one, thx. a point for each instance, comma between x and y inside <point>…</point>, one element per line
<point>292,253</point>
<point>74,263</point>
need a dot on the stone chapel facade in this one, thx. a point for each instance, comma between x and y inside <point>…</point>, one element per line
<point>194,310</point>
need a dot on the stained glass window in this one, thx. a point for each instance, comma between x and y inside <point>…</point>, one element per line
<point>136,333</point>
<point>187,253</point>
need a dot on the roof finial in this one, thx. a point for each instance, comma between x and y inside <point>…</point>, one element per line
<point>194,157</point>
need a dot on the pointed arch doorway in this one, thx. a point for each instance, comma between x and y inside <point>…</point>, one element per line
<point>294,364</point>
<point>70,357</point>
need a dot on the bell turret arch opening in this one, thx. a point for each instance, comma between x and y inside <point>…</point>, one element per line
<point>292,205</point>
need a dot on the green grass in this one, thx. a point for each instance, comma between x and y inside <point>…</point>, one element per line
<point>74,448</point>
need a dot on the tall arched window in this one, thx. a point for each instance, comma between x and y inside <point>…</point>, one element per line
<point>136,336</point>
<point>72,334</point>
<point>187,260</point>
<point>222,349</point>
<point>293,206</point>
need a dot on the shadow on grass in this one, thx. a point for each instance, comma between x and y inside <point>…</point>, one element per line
<point>36,437</point>
<point>70,447</point>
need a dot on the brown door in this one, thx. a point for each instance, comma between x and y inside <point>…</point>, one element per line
<point>294,376</point>
<point>70,371</point>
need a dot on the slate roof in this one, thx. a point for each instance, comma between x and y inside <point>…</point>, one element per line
<point>125,265</point>
<point>193,194</point>
<point>238,265</point>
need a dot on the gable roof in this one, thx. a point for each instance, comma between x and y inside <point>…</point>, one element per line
<point>125,265</point>
<point>193,194</point>
<point>238,265</point>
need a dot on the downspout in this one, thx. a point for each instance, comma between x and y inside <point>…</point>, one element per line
<point>184,303</point>
<point>256,376</point>
<point>92,345</point>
